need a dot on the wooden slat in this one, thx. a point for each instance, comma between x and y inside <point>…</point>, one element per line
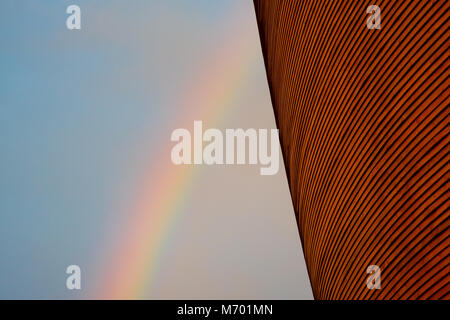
<point>363,118</point>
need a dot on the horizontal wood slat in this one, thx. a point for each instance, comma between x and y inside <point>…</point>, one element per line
<point>363,118</point>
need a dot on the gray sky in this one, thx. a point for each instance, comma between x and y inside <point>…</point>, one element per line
<point>85,123</point>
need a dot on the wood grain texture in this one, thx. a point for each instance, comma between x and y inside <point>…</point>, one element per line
<point>363,118</point>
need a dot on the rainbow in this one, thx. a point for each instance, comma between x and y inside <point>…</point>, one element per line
<point>131,271</point>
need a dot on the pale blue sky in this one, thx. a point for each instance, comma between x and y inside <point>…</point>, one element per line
<point>81,112</point>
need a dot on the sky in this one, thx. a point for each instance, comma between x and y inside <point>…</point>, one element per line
<point>86,177</point>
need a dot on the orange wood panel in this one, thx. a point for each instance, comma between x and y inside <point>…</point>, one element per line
<point>363,118</point>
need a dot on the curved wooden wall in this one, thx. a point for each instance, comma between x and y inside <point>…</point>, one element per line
<point>363,118</point>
